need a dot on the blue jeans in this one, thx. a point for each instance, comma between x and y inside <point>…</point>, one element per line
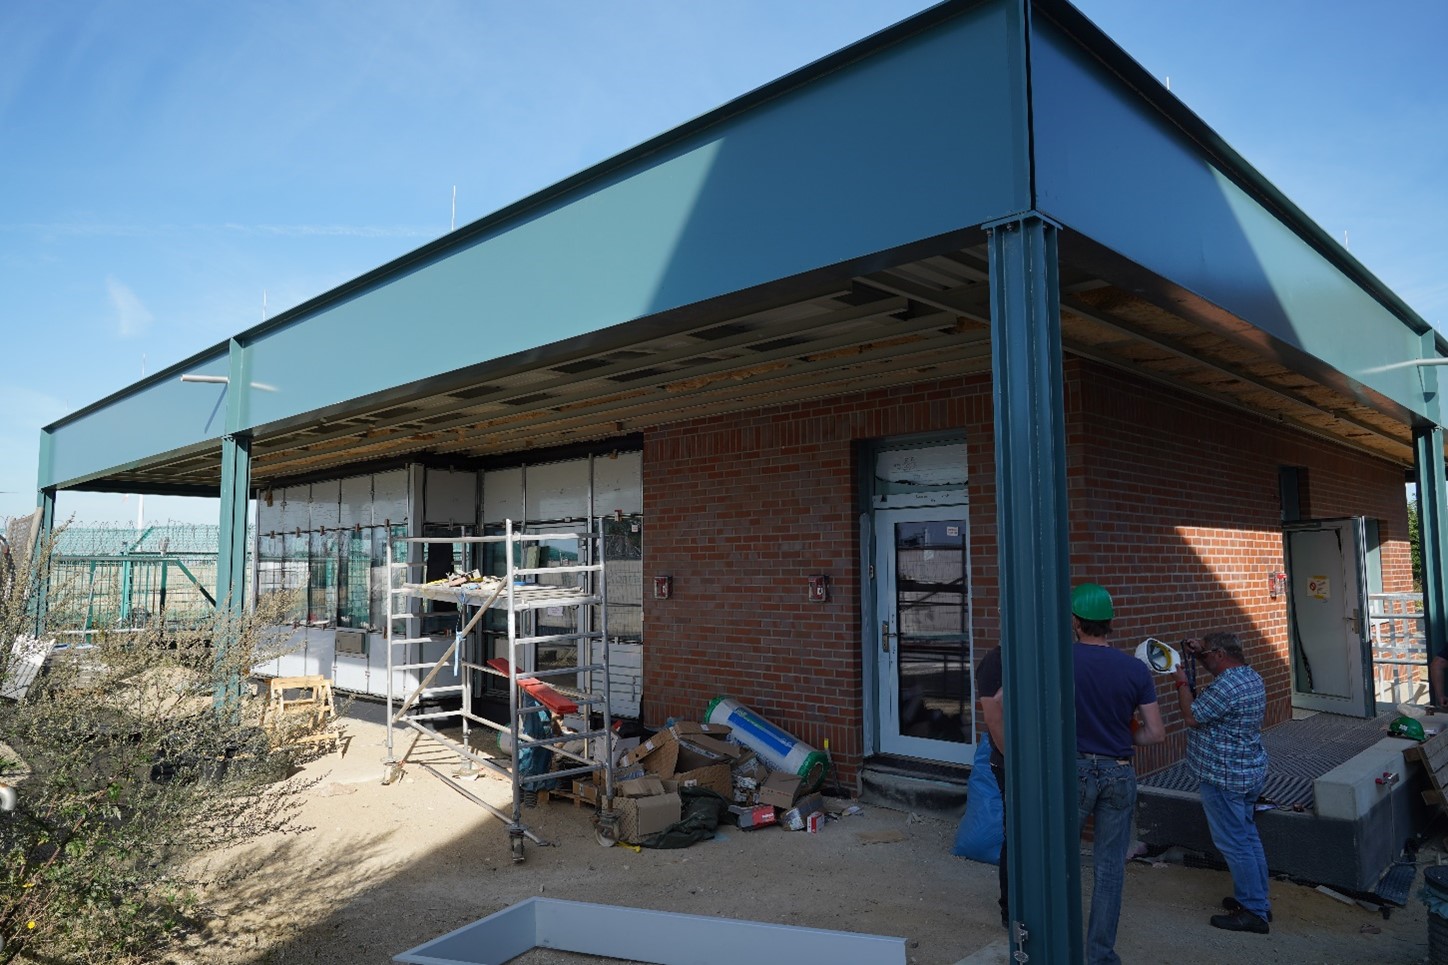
<point>1107,791</point>
<point>1232,819</point>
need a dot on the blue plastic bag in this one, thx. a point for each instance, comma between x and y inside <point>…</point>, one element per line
<point>982,827</point>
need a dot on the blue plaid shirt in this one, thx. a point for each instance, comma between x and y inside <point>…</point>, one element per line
<point>1225,748</point>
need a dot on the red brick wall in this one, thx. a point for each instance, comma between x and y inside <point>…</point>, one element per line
<point>740,510</point>
<point>1174,507</point>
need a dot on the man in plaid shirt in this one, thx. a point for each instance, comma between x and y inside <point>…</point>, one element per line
<point>1224,753</point>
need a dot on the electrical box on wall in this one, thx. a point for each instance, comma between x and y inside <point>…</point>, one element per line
<point>352,642</point>
<point>819,588</point>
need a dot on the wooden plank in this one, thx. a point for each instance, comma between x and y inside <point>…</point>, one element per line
<point>1433,752</point>
<point>551,699</point>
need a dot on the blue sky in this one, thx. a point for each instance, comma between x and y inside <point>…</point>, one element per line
<point>167,166</point>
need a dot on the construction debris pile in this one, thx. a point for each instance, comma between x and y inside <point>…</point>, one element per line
<point>656,778</point>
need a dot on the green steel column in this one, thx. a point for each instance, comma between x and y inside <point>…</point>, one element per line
<point>1432,491</point>
<point>40,543</point>
<point>1042,827</point>
<point>39,553</point>
<point>231,548</point>
<point>231,557</point>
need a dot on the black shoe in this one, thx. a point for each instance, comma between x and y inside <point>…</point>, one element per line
<point>1242,920</point>
<point>1232,904</point>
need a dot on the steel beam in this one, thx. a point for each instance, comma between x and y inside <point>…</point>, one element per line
<point>1042,826</point>
<point>231,548</point>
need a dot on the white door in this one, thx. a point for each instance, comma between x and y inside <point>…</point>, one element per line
<point>1327,616</point>
<point>923,648</point>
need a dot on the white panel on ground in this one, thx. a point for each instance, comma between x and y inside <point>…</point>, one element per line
<point>641,935</point>
<point>502,495</point>
<point>356,501</point>
<point>451,497</point>
<point>618,484</point>
<point>557,490</point>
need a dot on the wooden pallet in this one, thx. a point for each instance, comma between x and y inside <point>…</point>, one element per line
<point>1433,755</point>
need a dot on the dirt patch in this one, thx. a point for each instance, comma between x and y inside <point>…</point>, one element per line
<point>384,868</point>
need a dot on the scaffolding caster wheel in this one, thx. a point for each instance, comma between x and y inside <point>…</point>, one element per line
<point>391,774</point>
<point>605,828</point>
<point>515,841</point>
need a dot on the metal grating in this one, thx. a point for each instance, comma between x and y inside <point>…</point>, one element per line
<point>1298,753</point>
<point>1396,882</point>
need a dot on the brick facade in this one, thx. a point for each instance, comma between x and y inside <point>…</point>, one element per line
<point>1174,506</point>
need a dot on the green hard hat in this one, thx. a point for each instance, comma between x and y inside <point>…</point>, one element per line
<point>1406,727</point>
<point>1090,601</point>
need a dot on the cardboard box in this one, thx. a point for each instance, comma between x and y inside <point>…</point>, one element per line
<point>641,787</point>
<point>688,728</point>
<point>693,755</point>
<point>642,817</point>
<point>753,816</point>
<point>779,789</point>
<point>814,822</point>
<point>659,755</point>
<point>585,791</point>
<point>797,817</point>
<point>714,777</point>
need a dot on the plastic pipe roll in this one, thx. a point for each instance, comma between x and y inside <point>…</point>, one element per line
<point>780,750</point>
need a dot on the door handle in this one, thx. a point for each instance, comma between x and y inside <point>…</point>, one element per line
<point>885,636</point>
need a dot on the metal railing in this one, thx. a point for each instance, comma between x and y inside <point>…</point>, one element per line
<point>1399,645</point>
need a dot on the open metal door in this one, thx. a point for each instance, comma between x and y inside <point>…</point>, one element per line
<point>1327,616</point>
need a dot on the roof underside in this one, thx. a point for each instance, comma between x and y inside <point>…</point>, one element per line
<point>925,319</point>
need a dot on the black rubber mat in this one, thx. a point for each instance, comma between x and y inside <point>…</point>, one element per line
<point>1298,753</point>
<point>1397,881</point>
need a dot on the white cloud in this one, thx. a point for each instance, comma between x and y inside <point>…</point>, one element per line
<point>132,318</point>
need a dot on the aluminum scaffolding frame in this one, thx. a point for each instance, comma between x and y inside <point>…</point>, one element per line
<point>516,593</point>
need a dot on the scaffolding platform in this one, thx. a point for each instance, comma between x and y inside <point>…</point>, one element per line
<point>538,698</point>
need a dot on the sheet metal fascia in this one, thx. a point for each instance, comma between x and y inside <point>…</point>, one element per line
<point>1085,254</point>
<point>758,195</point>
<point>160,414</point>
<point>643,935</point>
<point>1034,563</point>
<point>1112,164</point>
<point>778,293</point>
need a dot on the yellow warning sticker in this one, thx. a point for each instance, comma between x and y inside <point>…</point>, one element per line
<point>1318,587</point>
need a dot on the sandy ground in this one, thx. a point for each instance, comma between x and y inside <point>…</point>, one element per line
<point>384,868</point>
